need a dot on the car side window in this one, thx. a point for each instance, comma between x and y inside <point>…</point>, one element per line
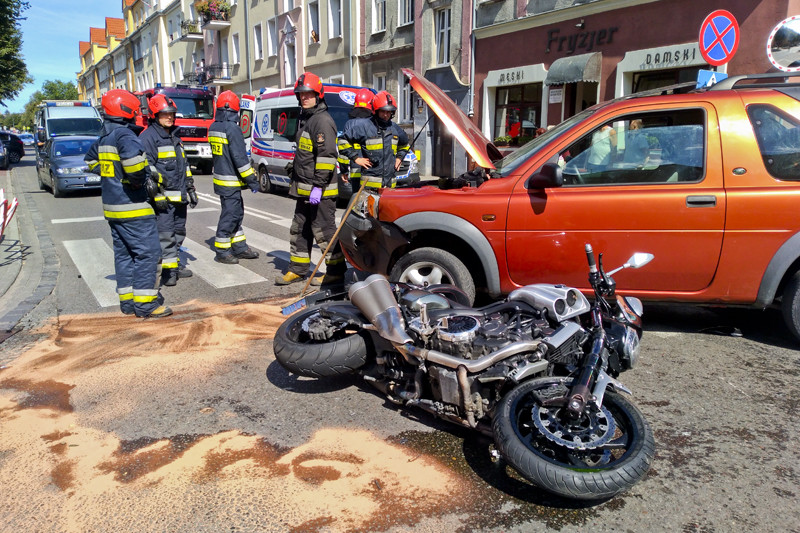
<point>778,136</point>
<point>644,148</point>
<point>284,123</point>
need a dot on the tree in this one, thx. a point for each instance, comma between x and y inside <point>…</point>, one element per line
<point>51,90</point>
<point>13,72</point>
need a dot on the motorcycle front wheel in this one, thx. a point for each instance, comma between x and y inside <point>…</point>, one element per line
<point>596,457</point>
<point>343,351</point>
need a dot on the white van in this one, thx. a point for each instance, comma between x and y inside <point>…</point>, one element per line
<point>66,117</point>
<point>272,143</point>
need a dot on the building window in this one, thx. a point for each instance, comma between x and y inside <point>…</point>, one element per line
<point>378,15</point>
<point>335,18</point>
<point>257,43</point>
<point>288,5</point>
<point>406,12</point>
<point>272,36</point>
<point>313,22</point>
<point>443,37</point>
<point>174,71</point>
<point>405,109</point>
<point>180,68</point>
<point>169,24</point>
<point>379,82</point>
<point>515,112</point>
<point>235,48</point>
<point>339,78</point>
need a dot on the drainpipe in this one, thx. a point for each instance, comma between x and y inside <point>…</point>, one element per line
<point>471,108</point>
<point>247,46</point>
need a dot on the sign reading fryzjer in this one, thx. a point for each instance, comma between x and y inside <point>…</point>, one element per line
<point>719,37</point>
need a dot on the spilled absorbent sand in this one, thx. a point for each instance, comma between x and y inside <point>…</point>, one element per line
<point>61,472</point>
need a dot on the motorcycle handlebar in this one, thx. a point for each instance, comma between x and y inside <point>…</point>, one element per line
<point>590,257</point>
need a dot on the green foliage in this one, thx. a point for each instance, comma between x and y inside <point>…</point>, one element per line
<point>13,72</point>
<point>503,140</point>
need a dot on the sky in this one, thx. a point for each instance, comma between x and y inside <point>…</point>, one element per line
<point>50,36</point>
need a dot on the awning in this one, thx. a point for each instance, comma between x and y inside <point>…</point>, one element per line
<point>585,67</point>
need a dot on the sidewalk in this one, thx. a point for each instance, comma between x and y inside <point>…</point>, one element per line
<point>28,260</point>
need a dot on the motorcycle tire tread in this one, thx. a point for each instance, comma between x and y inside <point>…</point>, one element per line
<point>587,486</point>
<point>319,359</point>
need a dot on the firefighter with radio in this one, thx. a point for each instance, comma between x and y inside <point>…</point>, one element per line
<point>383,144</point>
<point>170,170</point>
<point>119,158</point>
<point>314,186</point>
<point>232,173</point>
<point>362,108</point>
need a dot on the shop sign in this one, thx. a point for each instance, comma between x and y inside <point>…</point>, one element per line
<point>670,57</point>
<point>511,77</point>
<point>556,95</point>
<point>581,42</point>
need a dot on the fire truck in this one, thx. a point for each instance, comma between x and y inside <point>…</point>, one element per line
<point>195,114</point>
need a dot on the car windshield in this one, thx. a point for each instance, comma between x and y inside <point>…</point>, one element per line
<point>195,107</point>
<point>509,163</point>
<point>71,147</point>
<point>74,126</point>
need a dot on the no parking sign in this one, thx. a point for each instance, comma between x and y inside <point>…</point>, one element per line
<point>719,37</point>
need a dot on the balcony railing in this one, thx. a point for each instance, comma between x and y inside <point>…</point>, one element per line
<point>191,31</point>
<point>219,74</point>
<point>219,22</point>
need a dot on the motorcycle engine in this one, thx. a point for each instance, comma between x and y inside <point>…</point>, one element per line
<point>466,336</point>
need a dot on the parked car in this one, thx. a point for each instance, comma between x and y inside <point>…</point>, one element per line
<point>61,167</point>
<point>714,196</point>
<point>3,157</point>
<point>14,146</point>
<point>27,139</point>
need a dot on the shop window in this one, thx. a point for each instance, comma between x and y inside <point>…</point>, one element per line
<point>778,137</point>
<point>665,147</point>
<point>645,81</point>
<point>516,114</point>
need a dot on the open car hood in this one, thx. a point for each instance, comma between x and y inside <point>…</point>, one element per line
<point>482,150</point>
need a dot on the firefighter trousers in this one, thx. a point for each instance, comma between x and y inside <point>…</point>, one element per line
<point>171,233</point>
<point>137,264</point>
<point>310,223</point>
<point>230,238</point>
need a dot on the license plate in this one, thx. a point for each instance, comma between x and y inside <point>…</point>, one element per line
<point>92,179</point>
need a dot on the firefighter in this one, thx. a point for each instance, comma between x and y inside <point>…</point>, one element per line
<point>383,143</point>
<point>169,168</point>
<point>314,186</point>
<point>119,158</point>
<point>232,173</point>
<point>362,108</point>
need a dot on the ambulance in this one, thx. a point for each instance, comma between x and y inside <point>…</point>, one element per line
<point>274,128</point>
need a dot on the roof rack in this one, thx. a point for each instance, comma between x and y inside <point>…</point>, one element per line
<point>729,83</point>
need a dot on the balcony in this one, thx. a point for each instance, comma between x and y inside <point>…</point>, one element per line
<point>219,22</point>
<point>191,31</point>
<point>219,74</point>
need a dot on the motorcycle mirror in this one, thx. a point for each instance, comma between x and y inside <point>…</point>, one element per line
<point>637,260</point>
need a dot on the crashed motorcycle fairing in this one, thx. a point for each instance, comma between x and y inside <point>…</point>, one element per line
<point>536,371</point>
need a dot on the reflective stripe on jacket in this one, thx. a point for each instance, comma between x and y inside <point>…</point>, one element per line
<point>382,146</point>
<point>315,157</point>
<point>168,165</point>
<point>232,169</point>
<point>119,158</point>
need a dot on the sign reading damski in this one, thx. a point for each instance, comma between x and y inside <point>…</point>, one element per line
<point>719,37</point>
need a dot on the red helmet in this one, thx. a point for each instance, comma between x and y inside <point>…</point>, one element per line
<point>309,82</point>
<point>364,98</point>
<point>120,103</point>
<point>162,104</point>
<point>383,101</point>
<point>229,100</point>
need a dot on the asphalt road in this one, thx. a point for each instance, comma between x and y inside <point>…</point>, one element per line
<point>188,424</point>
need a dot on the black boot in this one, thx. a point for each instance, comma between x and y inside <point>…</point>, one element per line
<point>184,272</point>
<point>228,259</point>
<point>247,254</point>
<point>169,277</point>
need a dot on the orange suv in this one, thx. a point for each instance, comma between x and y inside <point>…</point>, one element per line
<point>708,181</point>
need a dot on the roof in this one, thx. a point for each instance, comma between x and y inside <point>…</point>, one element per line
<point>84,46</point>
<point>97,36</point>
<point>115,27</point>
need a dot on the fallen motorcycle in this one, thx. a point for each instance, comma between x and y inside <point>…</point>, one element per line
<point>536,371</point>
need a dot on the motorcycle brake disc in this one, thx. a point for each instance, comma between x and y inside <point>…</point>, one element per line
<point>591,431</point>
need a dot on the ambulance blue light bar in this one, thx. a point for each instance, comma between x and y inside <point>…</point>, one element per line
<point>68,104</point>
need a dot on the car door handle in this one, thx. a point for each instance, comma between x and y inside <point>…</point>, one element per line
<point>701,201</point>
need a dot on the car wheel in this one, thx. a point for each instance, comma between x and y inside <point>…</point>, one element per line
<point>57,192</point>
<point>42,186</point>
<point>14,157</point>
<point>432,266</point>
<point>790,305</point>
<point>264,184</point>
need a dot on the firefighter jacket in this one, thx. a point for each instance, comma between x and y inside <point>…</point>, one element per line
<point>345,162</point>
<point>381,144</point>
<point>315,157</point>
<point>232,169</point>
<point>118,157</point>
<point>168,165</point>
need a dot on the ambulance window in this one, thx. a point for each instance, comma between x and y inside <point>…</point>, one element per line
<point>284,123</point>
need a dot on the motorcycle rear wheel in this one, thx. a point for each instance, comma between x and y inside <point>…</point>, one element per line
<point>612,467</point>
<point>297,352</point>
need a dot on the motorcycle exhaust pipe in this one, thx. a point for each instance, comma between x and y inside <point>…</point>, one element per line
<point>375,299</point>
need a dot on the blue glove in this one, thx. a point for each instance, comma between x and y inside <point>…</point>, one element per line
<point>254,187</point>
<point>316,196</point>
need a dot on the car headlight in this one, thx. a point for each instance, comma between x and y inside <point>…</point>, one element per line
<point>367,205</point>
<point>69,171</point>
